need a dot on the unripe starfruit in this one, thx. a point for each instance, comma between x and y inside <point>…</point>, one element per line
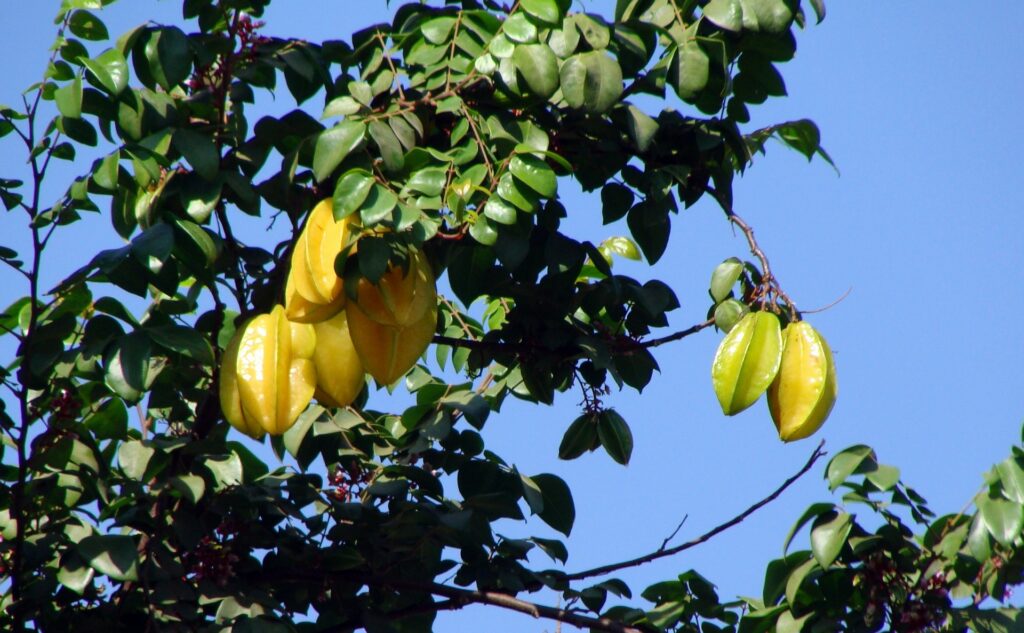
<point>747,361</point>
<point>388,351</point>
<point>401,296</point>
<point>339,372</point>
<point>267,375</point>
<point>805,389</point>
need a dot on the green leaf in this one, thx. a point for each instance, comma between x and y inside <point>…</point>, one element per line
<point>845,463</point>
<point>616,201</point>
<point>109,69</point>
<point>724,278</point>
<point>483,232</point>
<point>87,26</point>
<point>727,14</point>
<point>559,510</point>
<point>69,98</point>
<point>192,487</point>
<point>615,436</point>
<point>642,128</point>
<point>226,470</point>
<point>438,30</point>
<point>553,548</point>
<point>580,437</point>
<point>539,67</point>
<point>133,457</point>
<point>768,16</point>
<point>374,254</point>
<point>522,198</point>
<point>429,181</point>
<point>811,512</point>
<point>377,207</point>
<point>591,81</point>
<point>728,313</point>
<point>518,28</point>
<point>796,580</point>
<point>199,150</point>
<point>169,56</point>
<point>128,366</point>
<point>114,555</point>
<point>648,222</point>
<point>183,340</point>
<point>1012,477</point>
<point>535,173</point>
<point>351,191</point>
<point>688,70</point>
<point>828,535</point>
<point>621,246</point>
<point>334,144</point>
<point>75,574</point>
<point>1004,519</point>
<point>109,421</point>
<point>532,493</point>
<point>388,144</point>
<point>787,623</point>
<point>548,11</point>
<point>500,212</point>
<point>341,106</point>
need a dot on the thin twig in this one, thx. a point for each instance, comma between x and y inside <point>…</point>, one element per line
<point>671,536</point>
<point>672,551</point>
<point>768,279</point>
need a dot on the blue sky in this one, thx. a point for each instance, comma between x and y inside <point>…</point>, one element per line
<point>919,104</point>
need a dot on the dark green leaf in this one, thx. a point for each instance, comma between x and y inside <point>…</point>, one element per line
<point>559,509</point>
<point>87,26</point>
<point>616,201</point>
<point>580,437</point>
<point>377,207</point>
<point>649,224</point>
<point>183,340</point>
<point>688,71</point>
<point>112,554</point>
<point>388,144</point>
<point>109,421</point>
<point>591,81</point>
<point>615,436</point>
<point>199,150</point>
<point>128,366</point>
<point>169,56</point>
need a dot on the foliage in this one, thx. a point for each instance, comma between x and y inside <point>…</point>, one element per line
<point>448,130</point>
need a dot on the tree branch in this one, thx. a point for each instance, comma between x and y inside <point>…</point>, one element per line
<point>458,598</point>
<point>672,551</point>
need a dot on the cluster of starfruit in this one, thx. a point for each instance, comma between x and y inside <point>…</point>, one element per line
<point>322,342</point>
<point>794,365</point>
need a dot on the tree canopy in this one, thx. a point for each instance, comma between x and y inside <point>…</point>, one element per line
<point>415,232</point>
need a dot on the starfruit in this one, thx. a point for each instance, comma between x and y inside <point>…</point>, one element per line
<point>747,361</point>
<point>388,351</point>
<point>267,375</point>
<point>312,280</point>
<point>401,296</point>
<point>339,372</point>
<point>805,389</point>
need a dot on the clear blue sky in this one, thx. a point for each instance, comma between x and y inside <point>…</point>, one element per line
<point>919,104</point>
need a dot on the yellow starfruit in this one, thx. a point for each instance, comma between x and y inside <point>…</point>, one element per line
<point>339,372</point>
<point>401,296</point>
<point>312,280</point>
<point>747,361</point>
<point>805,389</point>
<point>388,351</point>
<point>267,375</point>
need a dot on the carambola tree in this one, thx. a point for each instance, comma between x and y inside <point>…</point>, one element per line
<point>415,233</point>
